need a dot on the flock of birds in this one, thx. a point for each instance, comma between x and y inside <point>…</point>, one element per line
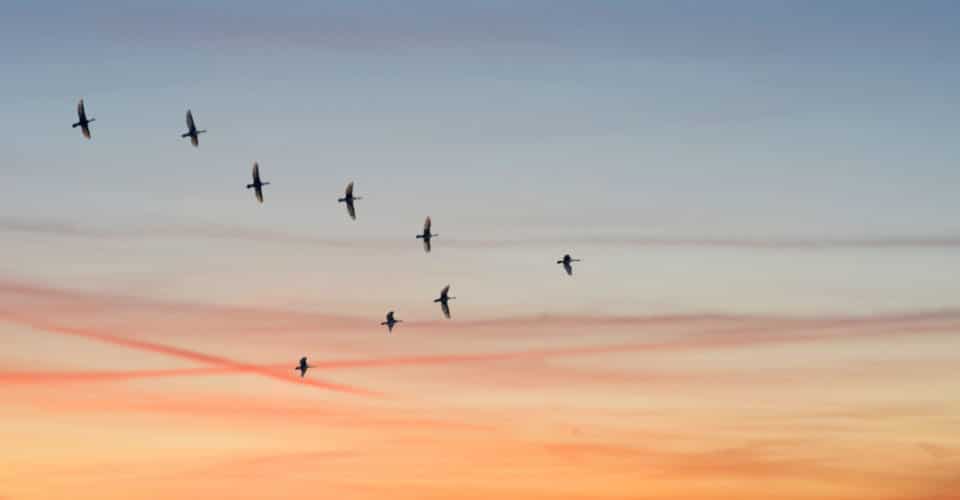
<point>348,198</point>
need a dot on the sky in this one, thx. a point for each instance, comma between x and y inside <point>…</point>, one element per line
<point>762,193</point>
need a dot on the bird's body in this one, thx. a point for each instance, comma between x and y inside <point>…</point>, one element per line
<point>348,198</point>
<point>257,185</point>
<point>444,300</point>
<point>426,235</point>
<point>567,262</point>
<point>302,367</point>
<point>82,121</point>
<point>192,131</point>
<point>391,322</point>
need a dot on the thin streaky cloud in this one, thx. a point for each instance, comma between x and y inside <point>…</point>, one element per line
<point>11,290</point>
<point>69,377</point>
<point>234,233</point>
<point>98,303</point>
<point>720,339</point>
<point>181,353</point>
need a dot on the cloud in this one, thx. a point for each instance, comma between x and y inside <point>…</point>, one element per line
<point>62,377</point>
<point>180,353</point>
<point>58,228</point>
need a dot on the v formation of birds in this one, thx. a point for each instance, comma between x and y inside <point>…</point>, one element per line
<point>348,199</point>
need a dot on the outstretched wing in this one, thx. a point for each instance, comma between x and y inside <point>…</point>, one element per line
<point>426,245</point>
<point>426,226</point>
<point>81,113</point>
<point>567,267</point>
<point>259,190</point>
<point>350,209</point>
<point>390,316</point>
<point>445,291</point>
<point>190,126</point>
<point>446,309</point>
<point>195,140</point>
<point>349,191</point>
<point>303,361</point>
<point>85,129</point>
<point>256,173</point>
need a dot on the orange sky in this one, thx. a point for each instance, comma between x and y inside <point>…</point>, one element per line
<point>110,396</point>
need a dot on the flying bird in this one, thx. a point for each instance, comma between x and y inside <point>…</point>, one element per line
<point>192,131</point>
<point>303,366</point>
<point>348,198</point>
<point>257,184</point>
<point>390,322</point>
<point>425,236</point>
<point>82,121</point>
<point>567,263</point>
<point>444,300</point>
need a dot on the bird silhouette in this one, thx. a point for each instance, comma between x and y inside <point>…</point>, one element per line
<point>192,131</point>
<point>303,366</point>
<point>444,300</point>
<point>390,322</point>
<point>348,198</point>
<point>567,261</point>
<point>426,235</point>
<point>82,121</point>
<point>257,185</point>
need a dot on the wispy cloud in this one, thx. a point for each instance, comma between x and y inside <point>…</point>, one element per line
<point>49,227</point>
<point>67,377</point>
<point>179,353</point>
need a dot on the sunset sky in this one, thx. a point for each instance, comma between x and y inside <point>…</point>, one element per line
<point>763,193</point>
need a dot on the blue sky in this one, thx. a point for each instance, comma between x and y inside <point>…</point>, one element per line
<point>763,193</point>
<point>543,119</point>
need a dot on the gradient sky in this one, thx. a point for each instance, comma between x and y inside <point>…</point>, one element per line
<point>763,194</point>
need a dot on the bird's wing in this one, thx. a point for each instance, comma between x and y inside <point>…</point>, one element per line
<point>190,126</point>
<point>195,140</point>
<point>445,291</point>
<point>568,268</point>
<point>259,191</point>
<point>350,209</point>
<point>426,226</point>
<point>390,316</point>
<point>426,245</point>
<point>446,309</point>
<point>349,191</point>
<point>256,173</point>
<point>86,130</point>
<point>80,111</point>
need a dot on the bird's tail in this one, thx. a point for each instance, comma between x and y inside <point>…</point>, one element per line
<point>201,131</point>
<point>264,183</point>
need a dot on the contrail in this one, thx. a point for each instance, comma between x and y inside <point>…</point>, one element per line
<point>186,354</point>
